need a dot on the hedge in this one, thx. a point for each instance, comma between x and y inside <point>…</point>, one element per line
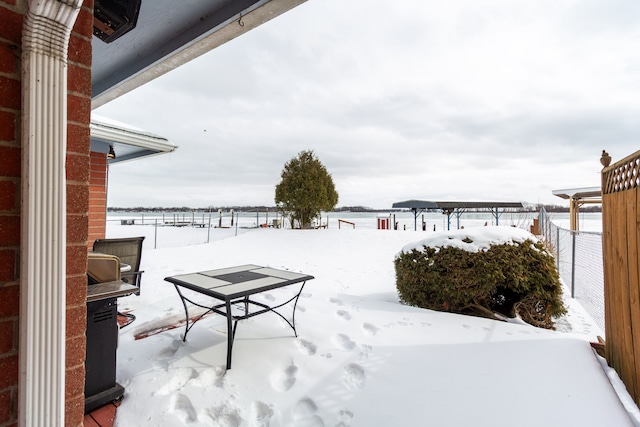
<point>511,279</point>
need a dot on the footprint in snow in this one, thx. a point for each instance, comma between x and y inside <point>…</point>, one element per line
<point>179,378</point>
<point>345,416</point>
<point>306,294</point>
<point>364,351</point>
<point>304,414</point>
<point>283,380</point>
<point>335,301</point>
<point>180,405</point>
<point>261,414</point>
<point>343,342</point>
<point>369,329</point>
<point>269,297</point>
<point>222,416</point>
<point>210,377</point>
<point>354,377</point>
<point>306,347</point>
<point>344,315</point>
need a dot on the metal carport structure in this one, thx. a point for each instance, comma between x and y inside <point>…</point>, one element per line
<point>455,208</point>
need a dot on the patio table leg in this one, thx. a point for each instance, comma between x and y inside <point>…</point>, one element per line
<point>186,313</point>
<point>295,305</point>
<point>230,333</point>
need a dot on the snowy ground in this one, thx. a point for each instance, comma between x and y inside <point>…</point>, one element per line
<point>360,359</point>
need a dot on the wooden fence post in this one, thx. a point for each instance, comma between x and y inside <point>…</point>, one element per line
<point>620,249</point>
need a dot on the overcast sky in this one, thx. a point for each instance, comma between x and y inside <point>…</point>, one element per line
<point>493,100</point>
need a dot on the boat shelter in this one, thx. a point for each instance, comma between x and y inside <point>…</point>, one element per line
<point>578,197</point>
<point>455,208</point>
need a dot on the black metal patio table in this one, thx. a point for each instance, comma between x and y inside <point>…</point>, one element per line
<point>234,286</point>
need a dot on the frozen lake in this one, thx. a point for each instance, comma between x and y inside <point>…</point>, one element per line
<point>159,229</point>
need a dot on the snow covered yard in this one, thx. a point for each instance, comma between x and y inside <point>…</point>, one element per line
<point>360,359</point>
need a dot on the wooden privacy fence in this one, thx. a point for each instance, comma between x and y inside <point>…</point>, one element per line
<point>621,254</point>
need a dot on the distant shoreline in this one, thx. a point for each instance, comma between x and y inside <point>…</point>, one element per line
<point>347,209</point>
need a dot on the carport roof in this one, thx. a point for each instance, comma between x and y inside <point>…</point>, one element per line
<point>448,205</point>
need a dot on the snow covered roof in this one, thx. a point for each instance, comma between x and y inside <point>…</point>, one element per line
<point>127,141</point>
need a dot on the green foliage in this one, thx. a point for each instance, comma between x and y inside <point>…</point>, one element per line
<point>306,189</point>
<point>506,278</point>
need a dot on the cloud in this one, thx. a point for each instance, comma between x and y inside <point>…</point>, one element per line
<point>416,99</point>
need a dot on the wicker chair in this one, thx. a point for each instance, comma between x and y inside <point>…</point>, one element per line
<point>129,251</point>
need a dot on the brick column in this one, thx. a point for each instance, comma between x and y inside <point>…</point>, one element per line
<point>78,173</point>
<point>97,197</point>
<point>10,38</point>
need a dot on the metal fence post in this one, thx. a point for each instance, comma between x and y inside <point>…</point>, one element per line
<point>155,234</point>
<point>558,250</point>
<point>573,264</point>
<point>586,275</point>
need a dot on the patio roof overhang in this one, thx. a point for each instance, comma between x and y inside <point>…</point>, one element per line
<point>167,35</point>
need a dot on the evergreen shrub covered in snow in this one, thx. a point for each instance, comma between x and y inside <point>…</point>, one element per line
<point>482,271</point>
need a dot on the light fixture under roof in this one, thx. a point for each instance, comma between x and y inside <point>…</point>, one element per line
<point>114,18</point>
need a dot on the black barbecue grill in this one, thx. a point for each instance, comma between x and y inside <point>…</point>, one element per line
<point>104,286</point>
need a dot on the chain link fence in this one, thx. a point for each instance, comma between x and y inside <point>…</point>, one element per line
<point>579,261</point>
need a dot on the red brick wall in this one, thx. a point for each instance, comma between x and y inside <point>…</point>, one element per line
<point>97,197</point>
<point>79,99</point>
<point>10,35</point>
<point>78,174</point>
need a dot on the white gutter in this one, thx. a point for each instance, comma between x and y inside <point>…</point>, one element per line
<point>132,137</point>
<point>46,33</point>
